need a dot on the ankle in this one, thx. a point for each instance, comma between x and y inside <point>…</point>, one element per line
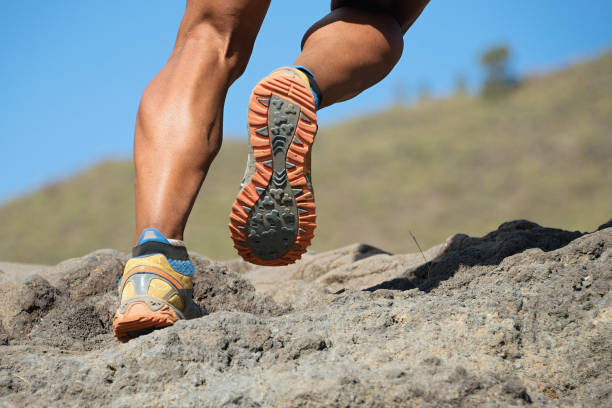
<point>153,242</point>
<point>314,87</point>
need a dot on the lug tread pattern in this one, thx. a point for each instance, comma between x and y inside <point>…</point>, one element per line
<point>276,198</point>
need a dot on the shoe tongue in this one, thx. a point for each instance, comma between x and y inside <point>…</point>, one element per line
<point>152,234</point>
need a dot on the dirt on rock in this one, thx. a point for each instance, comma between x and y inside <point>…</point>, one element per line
<point>521,316</point>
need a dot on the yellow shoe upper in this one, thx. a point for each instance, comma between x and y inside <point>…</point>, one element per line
<point>153,276</point>
<point>158,262</point>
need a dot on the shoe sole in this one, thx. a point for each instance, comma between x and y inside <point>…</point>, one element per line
<point>273,219</point>
<point>139,319</point>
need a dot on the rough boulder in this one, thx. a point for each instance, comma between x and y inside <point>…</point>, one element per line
<point>521,316</point>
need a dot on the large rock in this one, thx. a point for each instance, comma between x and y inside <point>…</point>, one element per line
<point>520,316</point>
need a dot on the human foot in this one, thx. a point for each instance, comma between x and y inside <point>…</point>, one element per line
<point>273,219</point>
<point>155,289</point>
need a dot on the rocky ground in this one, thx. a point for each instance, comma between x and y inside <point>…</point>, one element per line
<point>522,316</point>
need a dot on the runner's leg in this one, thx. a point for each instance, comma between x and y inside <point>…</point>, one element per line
<point>179,122</point>
<point>273,218</point>
<point>356,45</point>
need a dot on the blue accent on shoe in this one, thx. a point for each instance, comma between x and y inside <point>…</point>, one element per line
<point>316,98</point>
<point>183,267</point>
<point>314,93</point>
<point>152,234</point>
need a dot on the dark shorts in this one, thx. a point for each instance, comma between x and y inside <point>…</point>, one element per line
<point>405,11</point>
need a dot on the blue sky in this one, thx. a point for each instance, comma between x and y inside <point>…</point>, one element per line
<point>72,72</point>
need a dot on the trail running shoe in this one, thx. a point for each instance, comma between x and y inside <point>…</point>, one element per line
<point>155,289</point>
<point>273,219</point>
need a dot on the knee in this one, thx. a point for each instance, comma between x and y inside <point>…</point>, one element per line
<point>395,40</point>
<point>229,30</point>
<point>377,30</point>
<point>390,39</point>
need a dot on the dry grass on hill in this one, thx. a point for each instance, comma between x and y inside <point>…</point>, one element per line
<point>455,165</point>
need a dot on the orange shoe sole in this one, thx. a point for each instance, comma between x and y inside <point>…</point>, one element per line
<point>139,319</point>
<point>273,218</point>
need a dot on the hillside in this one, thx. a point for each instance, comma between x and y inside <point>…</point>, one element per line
<point>457,164</point>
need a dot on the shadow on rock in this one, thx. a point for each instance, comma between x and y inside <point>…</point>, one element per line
<point>465,251</point>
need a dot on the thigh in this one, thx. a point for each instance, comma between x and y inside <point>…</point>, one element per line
<point>404,11</point>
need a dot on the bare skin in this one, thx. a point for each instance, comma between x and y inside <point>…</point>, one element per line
<point>179,123</point>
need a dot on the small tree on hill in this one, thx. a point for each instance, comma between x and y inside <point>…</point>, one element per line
<point>498,79</point>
